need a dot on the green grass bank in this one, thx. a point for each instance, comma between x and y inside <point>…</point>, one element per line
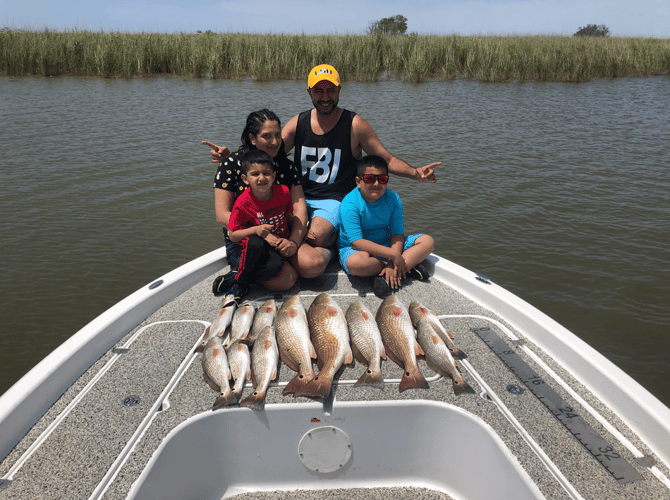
<point>356,57</point>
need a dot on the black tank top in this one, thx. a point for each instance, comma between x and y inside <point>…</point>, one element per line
<point>328,166</point>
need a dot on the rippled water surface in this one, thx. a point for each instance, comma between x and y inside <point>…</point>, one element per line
<point>559,192</point>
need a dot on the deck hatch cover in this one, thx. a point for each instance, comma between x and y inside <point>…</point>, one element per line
<point>613,462</point>
<point>325,449</point>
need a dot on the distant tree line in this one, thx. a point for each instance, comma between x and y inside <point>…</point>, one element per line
<point>395,25</point>
<point>593,30</point>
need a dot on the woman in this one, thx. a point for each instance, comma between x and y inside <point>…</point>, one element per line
<point>263,132</point>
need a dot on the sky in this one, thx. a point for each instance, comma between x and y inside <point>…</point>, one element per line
<point>624,18</point>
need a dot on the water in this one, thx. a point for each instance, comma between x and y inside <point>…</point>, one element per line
<point>557,191</point>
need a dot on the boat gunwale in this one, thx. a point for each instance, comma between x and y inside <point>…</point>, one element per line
<point>31,396</point>
<point>636,406</point>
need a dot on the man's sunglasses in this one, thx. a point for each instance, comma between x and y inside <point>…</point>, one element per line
<point>370,178</point>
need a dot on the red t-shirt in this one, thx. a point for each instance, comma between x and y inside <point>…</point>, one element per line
<point>248,211</point>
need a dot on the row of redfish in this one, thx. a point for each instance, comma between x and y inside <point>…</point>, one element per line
<point>326,334</point>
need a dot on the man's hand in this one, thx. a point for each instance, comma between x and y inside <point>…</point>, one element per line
<point>427,173</point>
<point>263,230</point>
<point>217,152</point>
<point>285,247</point>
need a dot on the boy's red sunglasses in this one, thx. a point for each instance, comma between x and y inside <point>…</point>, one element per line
<point>370,178</point>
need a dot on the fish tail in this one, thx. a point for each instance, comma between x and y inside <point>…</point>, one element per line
<point>255,401</point>
<point>318,387</point>
<point>226,399</point>
<point>413,380</point>
<point>371,378</point>
<point>461,386</point>
<point>457,353</point>
<point>297,384</point>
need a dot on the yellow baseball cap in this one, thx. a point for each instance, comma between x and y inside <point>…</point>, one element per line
<point>323,72</point>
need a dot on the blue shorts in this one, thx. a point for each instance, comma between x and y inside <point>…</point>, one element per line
<point>346,252</point>
<point>326,209</point>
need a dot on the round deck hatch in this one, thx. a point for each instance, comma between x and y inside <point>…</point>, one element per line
<point>325,449</point>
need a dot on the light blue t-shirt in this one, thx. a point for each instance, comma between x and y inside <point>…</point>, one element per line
<point>371,221</point>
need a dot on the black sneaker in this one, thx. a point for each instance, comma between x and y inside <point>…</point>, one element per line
<point>223,283</point>
<point>238,292</point>
<point>419,272</point>
<point>381,287</point>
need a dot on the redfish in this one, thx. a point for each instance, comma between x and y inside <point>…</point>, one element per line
<point>438,356</point>
<point>216,372</point>
<point>417,312</point>
<point>241,323</point>
<point>330,337</point>
<point>265,316</point>
<point>400,341</point>
<point>221,322</point>
<point>295,347</point>
<point>366,344</point>
<point>239,361</point>
<point>264,360</point>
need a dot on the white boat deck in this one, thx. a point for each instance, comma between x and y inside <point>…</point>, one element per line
<point>98,438</point>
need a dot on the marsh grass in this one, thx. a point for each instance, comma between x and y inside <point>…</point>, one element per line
<point>357,57</point>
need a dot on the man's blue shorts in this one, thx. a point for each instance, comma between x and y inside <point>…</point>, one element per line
<point>346,252</point>
<point>326,209</point>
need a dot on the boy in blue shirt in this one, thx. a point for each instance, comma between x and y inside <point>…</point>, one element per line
<point>372,235</point>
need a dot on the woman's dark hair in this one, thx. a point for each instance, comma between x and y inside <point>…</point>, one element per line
<point>255,122</point>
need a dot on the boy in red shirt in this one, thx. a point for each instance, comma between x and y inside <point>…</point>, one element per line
<point>263,212</point>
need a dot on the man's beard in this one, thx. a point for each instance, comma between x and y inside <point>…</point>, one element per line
<point>332,108</point>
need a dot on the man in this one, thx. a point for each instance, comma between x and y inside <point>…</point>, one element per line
<point>328,141</point>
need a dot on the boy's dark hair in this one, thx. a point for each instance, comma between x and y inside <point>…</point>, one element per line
<point>371,161</point>
<point>255,156</point>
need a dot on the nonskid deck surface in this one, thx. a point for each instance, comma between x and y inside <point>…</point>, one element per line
<point>153,381</point>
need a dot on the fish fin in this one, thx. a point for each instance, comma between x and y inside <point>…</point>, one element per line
<point>383,353</point>
<point>413,380</point>
<point>297,384</point>
<point>461,386</point>
<point>224,400</point>
<point>287,361</point>
<point>274,374</point>
<point>318,387</point>
<point>349,358</point>
<point>451,335</point>
<point>418,350</point>
<point>371,378</point>
<point>312,352</point>
<point>237,391</point>
<point>437,369</point>
<point>393,357</point>
<point>255,401</point>
<point>211,383</point>
<point>319,363</point>
<point>225,335</point>
<point>358,355</point>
